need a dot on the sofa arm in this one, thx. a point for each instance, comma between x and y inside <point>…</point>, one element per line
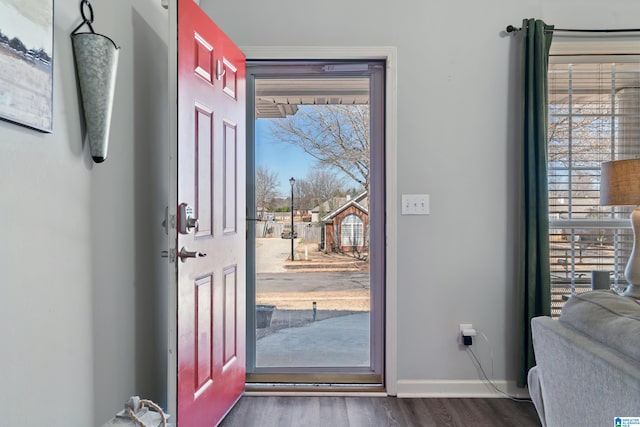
<point>584,382</point>
<point>535,391</point>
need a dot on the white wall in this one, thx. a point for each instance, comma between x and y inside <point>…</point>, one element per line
<point>81,278</point>
<point>457,135</point>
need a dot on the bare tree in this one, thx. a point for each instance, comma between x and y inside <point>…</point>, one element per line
<point>266,185</point>
<point>317,187</point>
<point>588,128</point>
<point>337,136</point>
<point>325,184</point>
<point>578,142</point>
<point>303,194</point>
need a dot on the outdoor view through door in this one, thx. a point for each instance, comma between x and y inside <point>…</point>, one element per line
<point>317,237</point>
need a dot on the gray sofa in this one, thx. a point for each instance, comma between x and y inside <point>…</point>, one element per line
<point>588,362</point>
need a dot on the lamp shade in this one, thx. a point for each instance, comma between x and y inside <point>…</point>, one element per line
<point>620,182</point>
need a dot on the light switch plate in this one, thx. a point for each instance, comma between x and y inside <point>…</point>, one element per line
<point>415,204</point>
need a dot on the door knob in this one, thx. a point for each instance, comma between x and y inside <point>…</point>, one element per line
<point>192,223</point>
<point>186,254</point>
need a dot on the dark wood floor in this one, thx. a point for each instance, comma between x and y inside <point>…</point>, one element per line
<point>270,411</point>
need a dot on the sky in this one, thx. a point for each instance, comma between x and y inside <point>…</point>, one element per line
<point>32,24</point>
<point>284,159</point>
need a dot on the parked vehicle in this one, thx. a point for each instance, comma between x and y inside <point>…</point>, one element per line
<point>286,233</point>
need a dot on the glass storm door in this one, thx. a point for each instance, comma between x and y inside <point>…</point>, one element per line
<point>316,236</point>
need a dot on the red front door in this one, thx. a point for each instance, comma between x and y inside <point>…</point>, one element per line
<point>211,185</point>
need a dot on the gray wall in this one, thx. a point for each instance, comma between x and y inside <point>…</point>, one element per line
<point>457,134</point>
<point>82,287</point>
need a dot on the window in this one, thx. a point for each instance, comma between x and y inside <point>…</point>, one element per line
<point>594,116</point>
<point>351,231</point>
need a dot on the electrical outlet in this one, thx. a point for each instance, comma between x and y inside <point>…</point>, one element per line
<point>467,333</point>
<point>463,326</point>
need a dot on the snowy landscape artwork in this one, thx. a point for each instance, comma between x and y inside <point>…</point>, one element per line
<point>26,63</point>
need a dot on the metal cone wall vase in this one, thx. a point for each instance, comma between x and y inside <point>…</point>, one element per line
<point>96,58</point>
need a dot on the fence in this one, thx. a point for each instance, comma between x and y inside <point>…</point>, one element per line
<point>310,232</point>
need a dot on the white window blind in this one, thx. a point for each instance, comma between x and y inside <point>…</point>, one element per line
<point>594,116</point>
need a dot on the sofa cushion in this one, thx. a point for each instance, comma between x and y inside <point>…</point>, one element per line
<point>606,317</point>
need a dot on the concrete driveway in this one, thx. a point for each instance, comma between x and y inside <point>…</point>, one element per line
<point>271,254</point>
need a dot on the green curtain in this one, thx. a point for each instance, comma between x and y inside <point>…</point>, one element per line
<point>534,280</point>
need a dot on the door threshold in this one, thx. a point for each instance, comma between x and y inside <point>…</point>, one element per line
<point>281,389</point>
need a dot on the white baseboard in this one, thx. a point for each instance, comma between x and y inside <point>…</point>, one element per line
<point>458,388</point>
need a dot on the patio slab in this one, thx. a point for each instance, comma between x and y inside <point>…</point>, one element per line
<point>335,342</point>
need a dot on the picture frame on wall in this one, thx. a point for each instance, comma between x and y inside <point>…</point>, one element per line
<point>26,63</point>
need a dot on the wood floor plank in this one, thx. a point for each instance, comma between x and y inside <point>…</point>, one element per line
<point>485,413</point>
<point>514,414</point>
<point>386,412</point>
<point>439,412</point>
<point>470,412</point>
<point>280,411</point>
<point>416,413</point>
<point>305,411</point>
<point>267,411</point>
<point>246,410</point>
<point>361,412</point>
<point>459,410</point>
<point>332,411</point>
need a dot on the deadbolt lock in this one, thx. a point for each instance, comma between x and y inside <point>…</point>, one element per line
<point>186,221</point>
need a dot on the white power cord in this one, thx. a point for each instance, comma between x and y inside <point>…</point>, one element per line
<point>478,364</point>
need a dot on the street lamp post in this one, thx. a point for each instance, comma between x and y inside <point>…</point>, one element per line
<point>292,181</point>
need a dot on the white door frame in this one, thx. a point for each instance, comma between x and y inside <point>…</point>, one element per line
<point>388,54</point>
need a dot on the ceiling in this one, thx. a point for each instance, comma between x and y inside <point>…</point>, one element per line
<point>278,98</point>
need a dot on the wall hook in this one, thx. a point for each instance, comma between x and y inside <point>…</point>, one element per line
<point>84,4</point>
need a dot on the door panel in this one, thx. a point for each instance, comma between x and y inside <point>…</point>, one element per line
<point>230,78</point>
<point>230,176</point>
<point>211,282</point>
<point>230,316</point>
<point>204,333</point>
<point>204,170</point>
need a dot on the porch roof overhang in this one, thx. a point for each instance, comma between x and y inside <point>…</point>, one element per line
<point>279,98</point>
